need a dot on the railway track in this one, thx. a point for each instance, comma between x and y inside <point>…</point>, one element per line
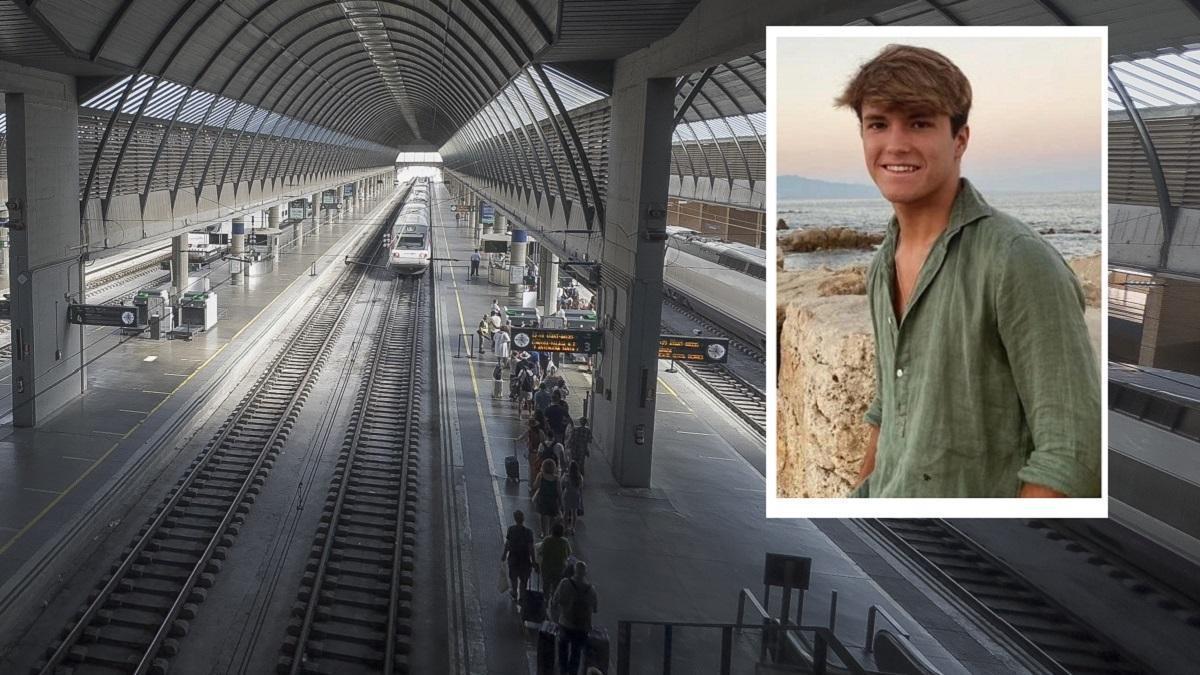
<point>745,400</point>
<point>135,620</point>
<point>354,610</point>
<point>1048,638</point>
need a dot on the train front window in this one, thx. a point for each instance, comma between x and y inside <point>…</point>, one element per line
<point>417,242</point>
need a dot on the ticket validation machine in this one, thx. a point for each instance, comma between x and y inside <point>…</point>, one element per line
<point>198,310</point>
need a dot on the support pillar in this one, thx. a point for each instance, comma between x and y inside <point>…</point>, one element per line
<point>273,216</point>
<point>179,267</point>
<point>548,282</point>
<point>631,289</point>
<point>516,266</point>
<point>43,179</point>
<point>499,224</point>
<point>237,250</point>
<point>1170,337</point>
<point>316,207</point>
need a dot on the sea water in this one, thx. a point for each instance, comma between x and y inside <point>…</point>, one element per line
<point>1074,217</point>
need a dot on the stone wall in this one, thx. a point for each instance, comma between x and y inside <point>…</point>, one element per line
<point>826,375</point>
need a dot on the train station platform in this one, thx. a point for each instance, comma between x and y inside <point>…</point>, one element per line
<point>680,551</point>
<point>67,482</point>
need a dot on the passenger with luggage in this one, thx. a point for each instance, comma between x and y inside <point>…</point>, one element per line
<point>518,551</point>
<point>525,387</point>
<point>575,600</point>
<point>534,436</point>
<point>572,496</point>
<point>580,445</point>
<point>547,500</point>
<point>498,381</point>
<point>555,549</point>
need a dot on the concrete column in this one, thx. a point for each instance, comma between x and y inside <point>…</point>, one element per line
<point>43,178</point>
<point>1170,335</point>
<point>179,265</point>
<point>237,249</point>
<point>548,282</point>
<point>632,272</point>
<point>473,218</point>
<point>316,207</point>
<point>516,265</point>
<point>4,248</point>
<point>273,216</point>
<point>499,224</point>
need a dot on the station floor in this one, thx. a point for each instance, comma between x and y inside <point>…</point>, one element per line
<point>680,551</point>
<point>59,481</point>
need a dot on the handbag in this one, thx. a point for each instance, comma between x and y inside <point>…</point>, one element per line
<point>502,584</point>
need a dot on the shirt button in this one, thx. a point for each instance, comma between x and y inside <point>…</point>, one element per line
<point>899,372</point>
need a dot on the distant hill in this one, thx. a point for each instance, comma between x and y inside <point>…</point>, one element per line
<point>798,187</point>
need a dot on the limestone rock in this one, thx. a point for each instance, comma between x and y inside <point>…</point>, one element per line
<point>826,383</point>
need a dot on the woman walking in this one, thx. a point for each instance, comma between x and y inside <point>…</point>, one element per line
<point>572,496</point>
<point>547,496</point>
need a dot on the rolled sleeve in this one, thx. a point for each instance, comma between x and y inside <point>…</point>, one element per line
<point>1039,312</point>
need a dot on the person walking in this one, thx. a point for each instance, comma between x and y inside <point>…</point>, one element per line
<point>542,399</point>
<point>518,551</point>
<point>534,436</point>
<point>572,496</point>
<point>475,258</point>
<point>558,416</point>
<point>547,499</point>
<point>575,601</point>
<point>555,551</point>
<point>580,445</point>
<point>500,342</point>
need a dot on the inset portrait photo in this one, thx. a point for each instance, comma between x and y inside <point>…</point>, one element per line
<point>939,199</point>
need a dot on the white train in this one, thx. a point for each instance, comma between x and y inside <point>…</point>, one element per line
<point>410,234</point>
<point>725,282</point>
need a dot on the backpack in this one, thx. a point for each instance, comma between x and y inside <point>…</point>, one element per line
<point>580,611</point>
<point>526,381</point>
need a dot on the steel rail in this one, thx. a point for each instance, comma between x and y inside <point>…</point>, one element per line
<point>328,315</point>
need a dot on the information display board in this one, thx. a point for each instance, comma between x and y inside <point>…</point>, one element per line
<point>558,340</point>
<point>328,198</point>
<point>102,315</point>
<point>487,214</point>
<point>297,209</point>
<point>348,190</point>
<point>693,349</point>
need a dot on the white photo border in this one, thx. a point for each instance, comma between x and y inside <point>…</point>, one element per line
<point>796,507</point>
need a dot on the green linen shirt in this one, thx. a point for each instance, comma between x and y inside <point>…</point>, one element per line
<point>989,381</point>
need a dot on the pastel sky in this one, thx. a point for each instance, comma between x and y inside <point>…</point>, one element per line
<point>1035,120</point>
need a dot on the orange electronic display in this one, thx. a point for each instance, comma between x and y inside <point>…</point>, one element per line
<point>693,349</point>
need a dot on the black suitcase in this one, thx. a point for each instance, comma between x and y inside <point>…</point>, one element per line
<point>598,649</point>
<point>512,468</point>
<point>547,648</point>
<point>533,607</point>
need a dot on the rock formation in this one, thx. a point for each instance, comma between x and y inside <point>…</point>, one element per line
<point>827,239</point>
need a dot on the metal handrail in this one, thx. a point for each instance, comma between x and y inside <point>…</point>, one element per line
<point>872,612</point>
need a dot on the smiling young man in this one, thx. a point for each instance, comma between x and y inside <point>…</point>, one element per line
<point>986,383</point>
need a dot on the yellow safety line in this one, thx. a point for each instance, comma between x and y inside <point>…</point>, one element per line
<point>54,502</point>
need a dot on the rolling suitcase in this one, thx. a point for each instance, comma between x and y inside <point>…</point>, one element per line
<point>547,648</point>
<point>533,607</point>
<point>598,649</point>
<point>512,468</point>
